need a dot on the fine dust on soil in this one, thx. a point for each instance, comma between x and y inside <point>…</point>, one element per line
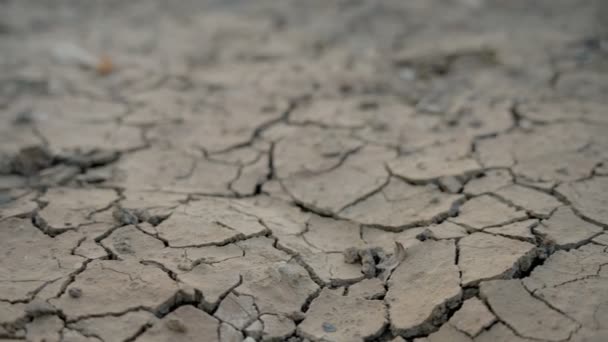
<point>421,170</point>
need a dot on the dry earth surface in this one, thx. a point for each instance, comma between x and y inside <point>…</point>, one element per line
<point>242,170</point>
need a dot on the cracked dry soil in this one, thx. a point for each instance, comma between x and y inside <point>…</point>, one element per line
<point>249,171</point>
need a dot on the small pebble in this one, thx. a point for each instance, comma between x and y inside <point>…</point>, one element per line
<point>75,292</point>
<point>24,117</point>
<point>328,327</point>
<point>176,325</point>
<point>184,266</point>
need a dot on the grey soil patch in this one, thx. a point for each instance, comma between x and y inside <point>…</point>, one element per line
<point>420,170</point>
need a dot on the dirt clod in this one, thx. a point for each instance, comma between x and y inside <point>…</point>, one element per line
<point>30,160</point>
<point>425,235</point>
<point>39,308</point>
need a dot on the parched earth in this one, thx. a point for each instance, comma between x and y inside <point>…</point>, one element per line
<point>417,170</point>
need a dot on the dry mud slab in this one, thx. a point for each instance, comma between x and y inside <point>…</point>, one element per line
<point>422,170</point>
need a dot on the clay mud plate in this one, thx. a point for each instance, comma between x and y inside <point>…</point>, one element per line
<point>421,170</point>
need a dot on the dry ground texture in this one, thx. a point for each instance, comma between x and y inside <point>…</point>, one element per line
<point>251,170</point>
